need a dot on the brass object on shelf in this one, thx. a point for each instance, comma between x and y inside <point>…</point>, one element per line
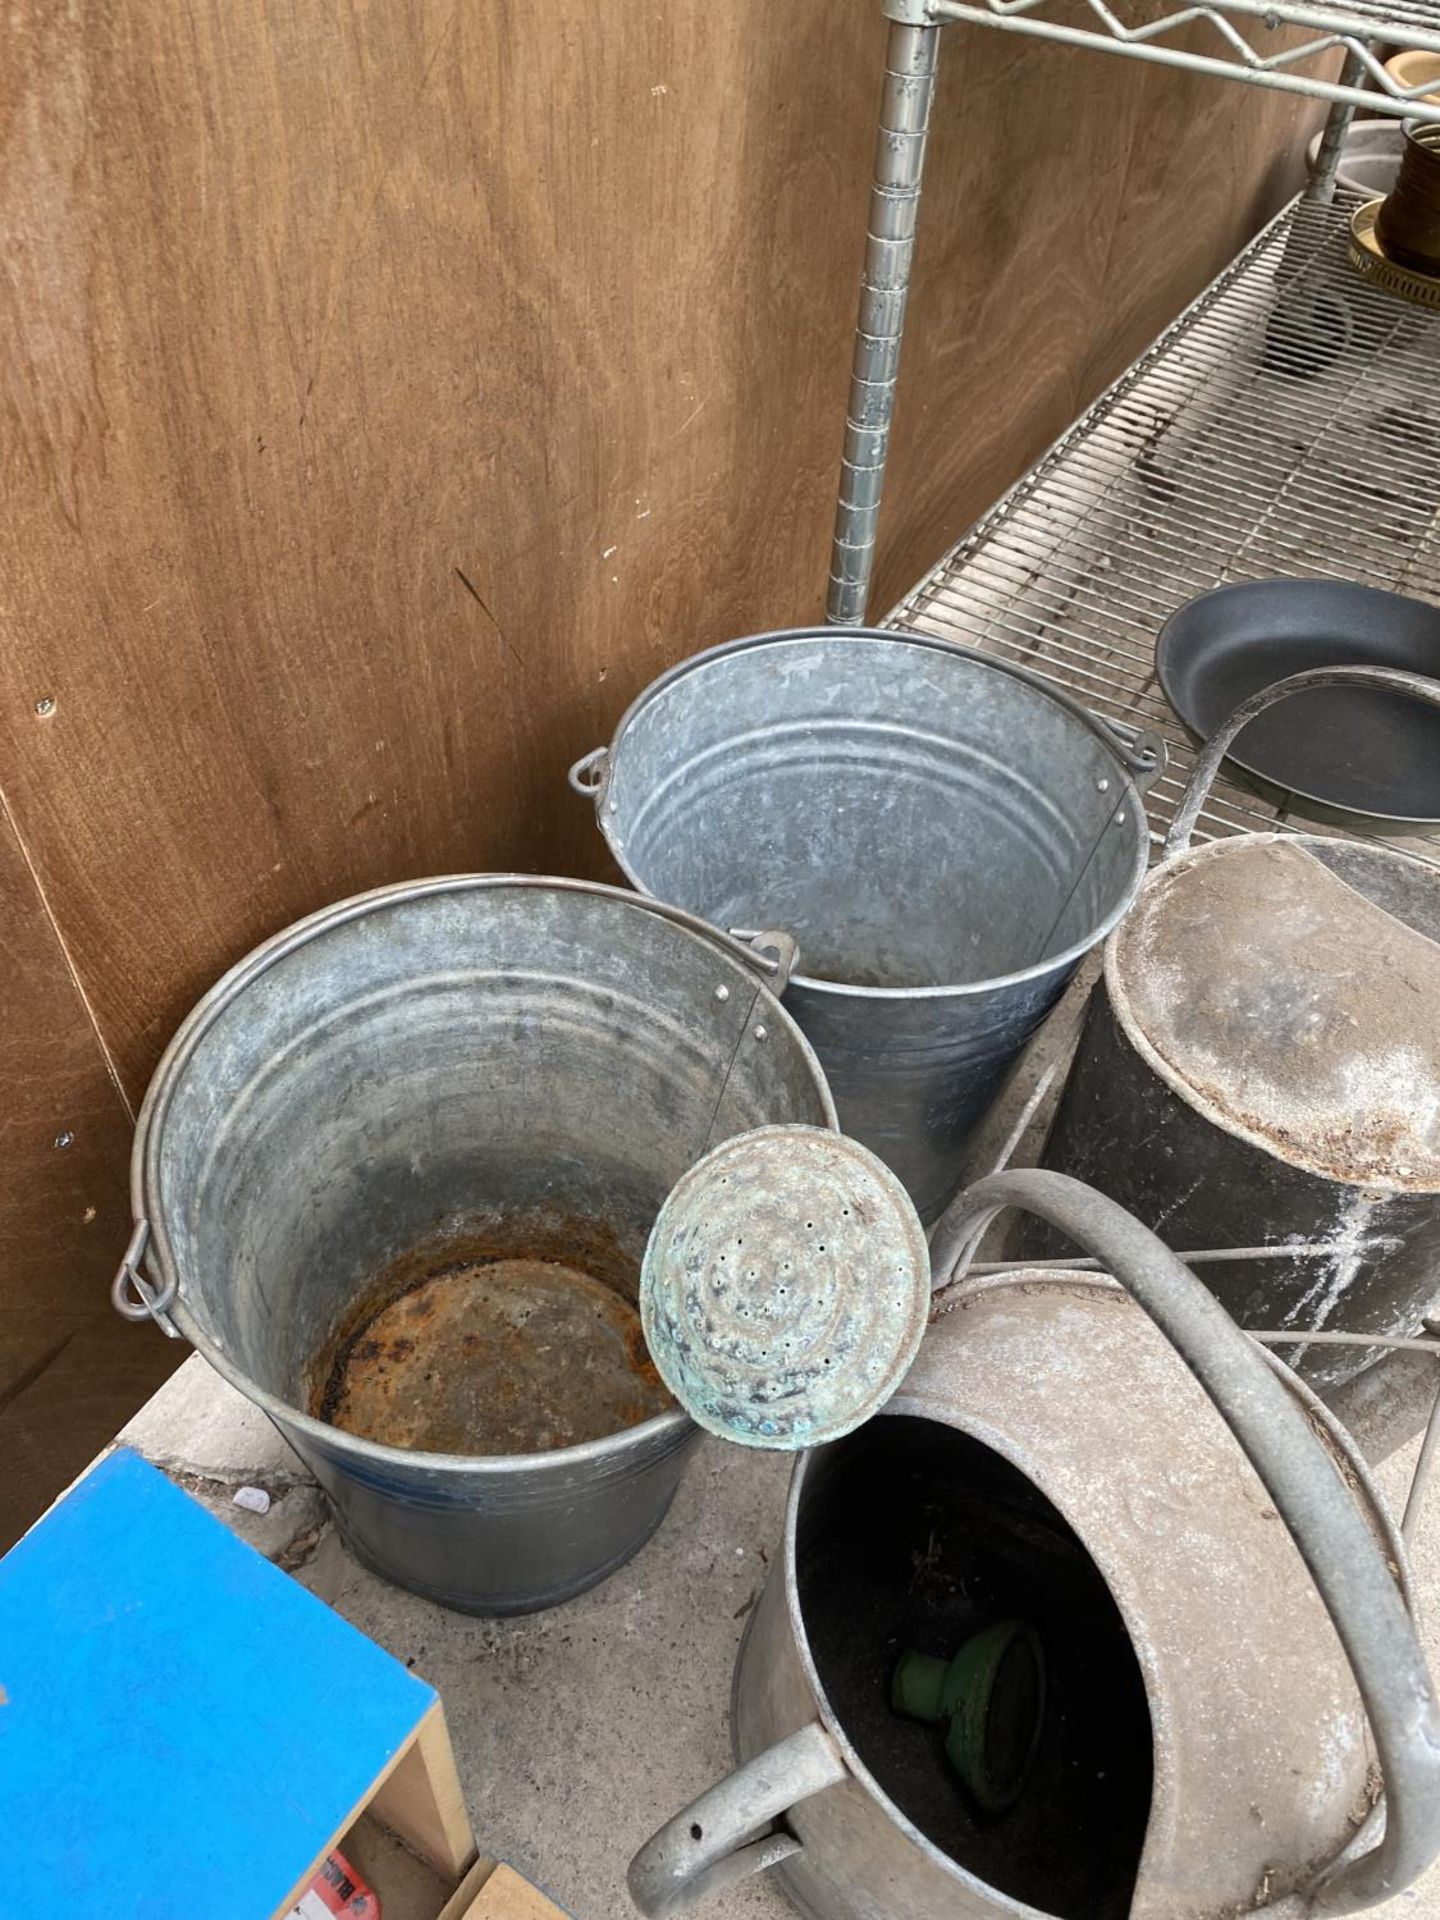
<point>1408,224</point>
<point>1369,258</point>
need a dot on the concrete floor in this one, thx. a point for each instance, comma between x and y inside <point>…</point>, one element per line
<point>580,1730</point>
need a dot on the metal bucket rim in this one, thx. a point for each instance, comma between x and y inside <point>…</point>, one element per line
<point>1133,799</point>
<point>904,1404</point>
<point>1171,1077</point>
<point>145,1180</point>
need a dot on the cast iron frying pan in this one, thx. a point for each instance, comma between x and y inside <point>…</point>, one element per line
<point>1363,752</point>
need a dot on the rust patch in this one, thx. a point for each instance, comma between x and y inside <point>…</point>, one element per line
<point>502,1337</point>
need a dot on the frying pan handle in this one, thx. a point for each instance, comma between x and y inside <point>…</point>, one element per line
<point>1207,761</point>
<point>1345,1560</point>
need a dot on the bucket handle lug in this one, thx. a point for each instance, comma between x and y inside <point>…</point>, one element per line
<point>712,1844</point>
<point>771,954</point>
<point>776,954</point>
<point>131,1294</point>
<point>1343,1557</point>
<point>1207,762</point>
<point>1143,752</point>
<point>590,774</point>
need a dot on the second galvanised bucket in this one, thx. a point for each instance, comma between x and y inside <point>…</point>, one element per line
<point>394,1179</point>
<point>944,834</point>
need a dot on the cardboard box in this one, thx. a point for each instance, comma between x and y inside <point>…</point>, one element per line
<point>496,1892</point>
<point>409,1889</point>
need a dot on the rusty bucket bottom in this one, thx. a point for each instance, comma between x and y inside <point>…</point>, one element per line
<point>499,1353</point>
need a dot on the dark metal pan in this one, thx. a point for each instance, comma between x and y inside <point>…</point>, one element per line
<point>1372,756</point>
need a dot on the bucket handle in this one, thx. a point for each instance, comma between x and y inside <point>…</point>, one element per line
<point>712,1843</point>
<point>776,954</point>
<point>1207,762</point>
<point>771,954</point>
<point>590,774</point>
<point>1344,1559</point>
<point>1142,752</point>
<point>131,1294</point>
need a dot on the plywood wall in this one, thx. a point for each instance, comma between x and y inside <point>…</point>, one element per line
<point>391,389</point>
<point>70,1371</point>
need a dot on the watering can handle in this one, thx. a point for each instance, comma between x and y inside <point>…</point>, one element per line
<point>1207,761</point>
<point>711,1844</point>
<point>1345,1561</point>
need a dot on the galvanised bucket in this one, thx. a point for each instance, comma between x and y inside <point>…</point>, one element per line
<point>946,836</point>
<point>399,1167</point>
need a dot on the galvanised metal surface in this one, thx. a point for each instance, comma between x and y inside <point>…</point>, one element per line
<point>785,1287</point>
<point>1334,1519</point>
<point>1259,1065</point>
<point>1256,1070</point>
<point>388,1071</point>
<point>1259,1762</point>
<point>943,834</point>
<point>910,57</point>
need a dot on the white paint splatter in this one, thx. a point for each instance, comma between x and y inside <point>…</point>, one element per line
<point>1350,1248</point>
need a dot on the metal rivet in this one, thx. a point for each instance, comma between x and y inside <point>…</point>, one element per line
<point>1102,785</point>
<point>1120,818</point>
<point>722,993</point>
<point>64,1139</point>
<point>45,706</point>
<point>759,1033</point>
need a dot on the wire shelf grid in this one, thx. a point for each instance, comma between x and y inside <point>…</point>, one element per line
<point>1287,425</point>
